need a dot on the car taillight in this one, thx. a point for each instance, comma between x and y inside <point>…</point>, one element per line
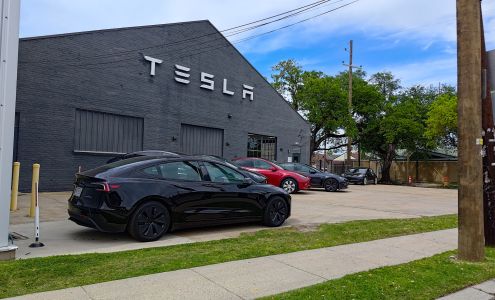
<point>106,187</point>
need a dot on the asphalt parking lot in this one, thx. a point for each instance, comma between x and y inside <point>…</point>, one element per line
<point>308,209</point>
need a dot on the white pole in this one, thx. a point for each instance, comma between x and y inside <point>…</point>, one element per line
<point>37,242</point>
<point>9,43</point>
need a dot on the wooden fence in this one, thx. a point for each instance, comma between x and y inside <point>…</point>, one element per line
<point>420,171</point>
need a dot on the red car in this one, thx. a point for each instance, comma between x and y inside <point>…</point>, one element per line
<point>290,181</point>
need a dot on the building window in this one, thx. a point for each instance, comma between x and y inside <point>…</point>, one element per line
<point>262,146</point>
<point>109,133</point>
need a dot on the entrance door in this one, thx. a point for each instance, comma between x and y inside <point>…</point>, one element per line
<point>201,140</point>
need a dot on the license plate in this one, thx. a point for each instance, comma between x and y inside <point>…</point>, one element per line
<point>78,191</point>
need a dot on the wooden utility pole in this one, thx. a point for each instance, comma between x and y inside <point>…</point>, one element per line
<point>349,140</point>
<point>471,235</point>
<point>351,66</point>
<point>488,143</point>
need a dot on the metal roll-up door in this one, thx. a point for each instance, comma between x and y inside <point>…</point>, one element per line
<point>201,140</point>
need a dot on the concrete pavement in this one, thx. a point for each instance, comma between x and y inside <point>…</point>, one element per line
<point>251,278</point>
<point>309,208</point>
<point>482,291</point>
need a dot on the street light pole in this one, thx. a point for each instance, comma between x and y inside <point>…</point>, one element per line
<point>9,44</point>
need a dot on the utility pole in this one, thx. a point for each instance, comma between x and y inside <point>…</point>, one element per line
<point>471,234</point>
<point>351,66</point>
<point>488,149</point>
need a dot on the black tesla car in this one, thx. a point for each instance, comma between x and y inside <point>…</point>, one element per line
<point>253,175</point>
<point>361,175</point>
<point>329,181</point>
<point>148,196</point>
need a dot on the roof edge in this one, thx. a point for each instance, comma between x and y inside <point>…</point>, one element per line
<point>109,30</point>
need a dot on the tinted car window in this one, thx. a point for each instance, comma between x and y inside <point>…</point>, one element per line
<point>289,167</point>
<point>245,163</point>
<point>302,168</point>
<point>262,164</point>
<point>179,170</point>
<point>219,173</point>
<point>357,171</point>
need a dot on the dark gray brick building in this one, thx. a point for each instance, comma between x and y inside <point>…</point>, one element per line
<point>85,97</point>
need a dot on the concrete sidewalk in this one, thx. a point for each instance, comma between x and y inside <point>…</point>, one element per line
<point>482,291</point>
<point>251,278</point>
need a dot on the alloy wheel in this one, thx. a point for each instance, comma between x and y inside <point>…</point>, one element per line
<point>331,185</point>
<point>278,212</point>
<point>152,221</point>
<point>289,185</point>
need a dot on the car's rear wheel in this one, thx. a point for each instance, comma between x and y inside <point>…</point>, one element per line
<point>149,222</point>
<point>276,212</point>
<point>331,185</point>
<point>289,185</point>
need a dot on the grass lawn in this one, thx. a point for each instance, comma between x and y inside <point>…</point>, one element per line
<point>428,278</point>
<point>56,272</point>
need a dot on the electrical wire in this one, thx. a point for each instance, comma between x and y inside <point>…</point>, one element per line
<point>220,38</point>
<point>296,10</point>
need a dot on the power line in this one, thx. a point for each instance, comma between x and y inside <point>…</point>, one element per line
<point>220,38</point>
<point>296,10</point>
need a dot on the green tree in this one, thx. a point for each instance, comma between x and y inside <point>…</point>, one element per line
<point>324,105</point>
<point>441,125</point>
<point>392,120</point>
<point>287,80</point>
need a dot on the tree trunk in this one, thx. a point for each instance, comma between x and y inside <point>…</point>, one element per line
<point>387,163</point>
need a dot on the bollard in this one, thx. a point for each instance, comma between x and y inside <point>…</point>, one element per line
<point>37,242</point>
<point>15,186</point>
<point>445,181</point>
<point>409,179</point>
<point>35,182</point>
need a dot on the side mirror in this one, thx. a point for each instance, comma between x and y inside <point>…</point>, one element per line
<point>273,169</point>
<point>312,172</point>
<point>247,181</point>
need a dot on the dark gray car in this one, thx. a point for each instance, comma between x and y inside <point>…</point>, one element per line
<point>329,181</point>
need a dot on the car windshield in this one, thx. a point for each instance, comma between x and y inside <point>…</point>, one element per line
<point>276,165</point>
<point>357,171</point>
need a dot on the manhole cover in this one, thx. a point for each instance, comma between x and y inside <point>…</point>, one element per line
<point>18,236</point>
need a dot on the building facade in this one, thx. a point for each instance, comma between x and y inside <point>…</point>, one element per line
<point>83,98</point>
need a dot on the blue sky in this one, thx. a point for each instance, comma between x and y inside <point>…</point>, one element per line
<point>415,40</point>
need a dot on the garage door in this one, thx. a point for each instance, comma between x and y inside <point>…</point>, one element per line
<point>201,140</point>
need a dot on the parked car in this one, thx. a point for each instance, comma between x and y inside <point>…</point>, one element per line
<point>154,153</point>
<point>259,178</point>
<point>149,196</point>
<point>144,153</point>
<point>290,181</point>
<point>361,175</point>
<point>329,181</point>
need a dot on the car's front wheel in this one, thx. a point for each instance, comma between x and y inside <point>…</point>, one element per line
<point>289,185</point>
<point>276,212</point>
<point>331,185</point>
<point>149,222</point>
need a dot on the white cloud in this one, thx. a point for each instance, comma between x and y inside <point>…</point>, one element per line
<point>426,72</point>
<point>426,23</point>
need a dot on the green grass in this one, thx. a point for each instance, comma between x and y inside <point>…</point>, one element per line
<point>428,278</point>
<point>56,272</point>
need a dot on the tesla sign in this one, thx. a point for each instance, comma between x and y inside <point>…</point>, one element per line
<point>182,75</point>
